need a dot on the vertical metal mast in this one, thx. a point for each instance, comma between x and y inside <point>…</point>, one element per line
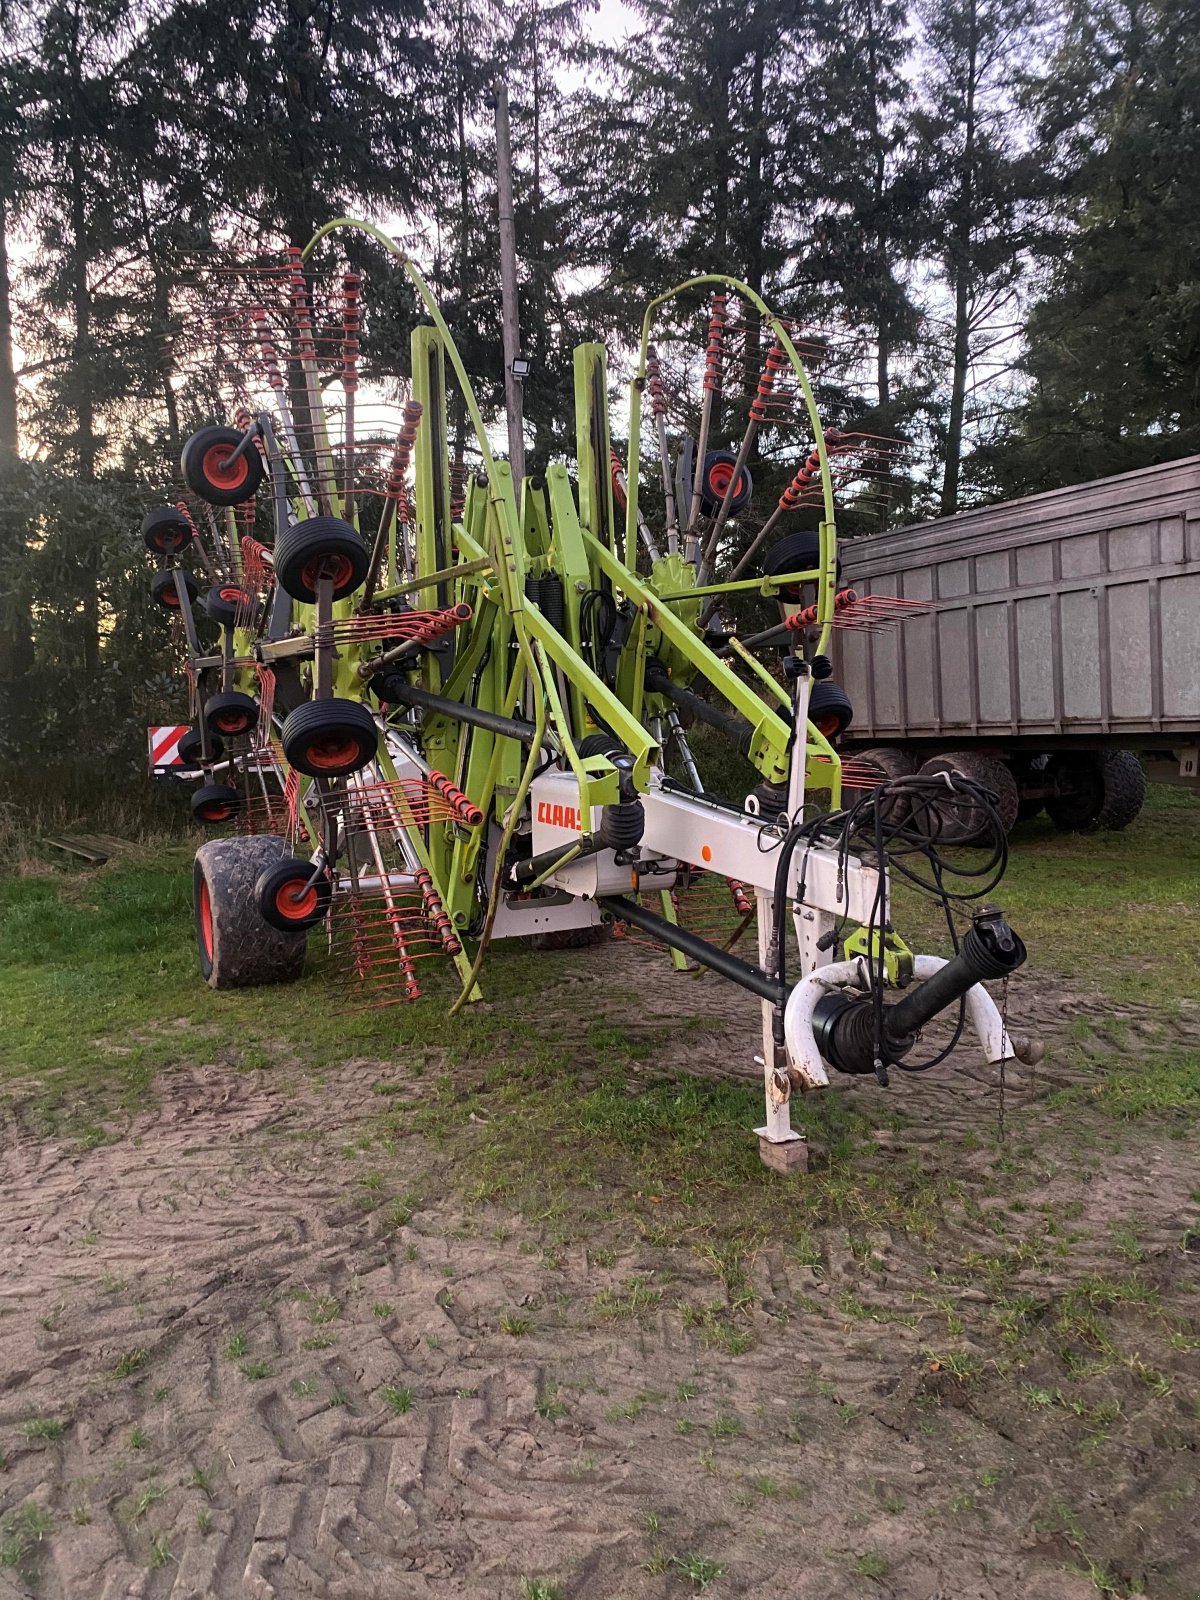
<point>513,398</point>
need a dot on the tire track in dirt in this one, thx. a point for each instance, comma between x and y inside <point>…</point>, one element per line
<point>217,1258</point>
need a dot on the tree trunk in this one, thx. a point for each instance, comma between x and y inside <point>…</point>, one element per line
<point>960,256</point>
<point>883,383</point>
<point>8,382</point>
<point>83,366</point>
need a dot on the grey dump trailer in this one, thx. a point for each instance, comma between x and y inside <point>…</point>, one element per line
<point>1058,657</point>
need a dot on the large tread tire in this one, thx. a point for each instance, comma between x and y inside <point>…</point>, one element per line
<point>236,947</point>
<point>301,551</point>
<point>962,822</point>
<point>1104,789</point>
<point>888,763</point>
<point>1124,789</point>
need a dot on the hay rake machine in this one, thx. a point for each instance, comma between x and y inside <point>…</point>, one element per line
<point>437,711</point>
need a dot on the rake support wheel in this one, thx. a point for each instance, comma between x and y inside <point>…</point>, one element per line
<point>166,531</point>
<point>191,748</point>
<point>315,547</point>
<point>288,900</point>
<point>209,471</point>
<point>231,713</point>
<point>830,708</point>
<point>330,738</point>
<point>215,803</point>
<point>236,947</point>
<point>222,604</point>
<point>163,589</point>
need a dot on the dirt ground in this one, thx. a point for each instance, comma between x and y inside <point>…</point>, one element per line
<point>227,1373</point>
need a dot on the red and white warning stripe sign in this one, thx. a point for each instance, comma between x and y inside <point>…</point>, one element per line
<point>164,747</point>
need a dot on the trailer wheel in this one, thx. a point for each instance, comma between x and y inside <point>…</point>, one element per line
<point>215,803</point>
<point>317,545</point>
<point>329,738</point>
<point>1104,790</point>
<point>191,748</point>
<point>287,900</point>
<point>829,708</point>
<point>162,588</point>
<point>885,763</point>
<point>166,531</point>
<point>209,472</point>
<point>961,820</point>
<point>236,947</point>
<point>231,713</point>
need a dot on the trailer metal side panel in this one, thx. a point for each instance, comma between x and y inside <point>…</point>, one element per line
<point>1073,612</point>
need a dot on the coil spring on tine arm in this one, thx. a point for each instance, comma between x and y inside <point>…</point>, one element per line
<point>270,355</point>
<point>805,477</point>
<point>714,354</point>
<point>658,391</point>
<point>351,323</point>
<point>466,810</point>
<point>298,293</point>
<point>402,455</point>
<point>436,912</point>
<point>777,362</point>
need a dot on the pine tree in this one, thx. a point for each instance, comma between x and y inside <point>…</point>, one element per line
<point>1114,345</point>
<point>869,190</point>
<point>981,185</point>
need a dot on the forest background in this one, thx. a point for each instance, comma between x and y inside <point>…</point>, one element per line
<point>992,207</point>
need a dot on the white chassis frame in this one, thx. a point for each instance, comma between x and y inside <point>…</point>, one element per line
<point>684,831</point>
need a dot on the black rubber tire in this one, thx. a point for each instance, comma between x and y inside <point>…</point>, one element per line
<point>191,752</point>
<point>963,822</point>
<point>714,482</point>
<point>162,588</point>
<point>830,708</point>
<point>314,731</point>
<point>215,804</point>
<point>301,549</point>
<point>222,604</point>
<point>166,531</point>
<point>795,552</point>
<point>1124,789</point>
<point>236,947</point>
<point>204,474</point>
<point>283,909</point>
<point>887,763</point>
<point>231,713</point>
<point>1107,790</point>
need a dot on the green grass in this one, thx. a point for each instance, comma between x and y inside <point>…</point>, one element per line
<point>99,993</point>
<point>47,1429</point>
<point>398,1399</point>
<point>1105,908</point>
